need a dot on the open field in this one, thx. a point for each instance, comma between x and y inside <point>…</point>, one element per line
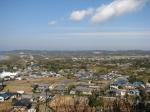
<point>25,85</point>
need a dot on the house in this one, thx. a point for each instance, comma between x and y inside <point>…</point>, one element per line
<point>87,84</point>
<point>2,99</point>
<point>45,96</point>
<point>43,87</point>
<point>122,92</point>
<point>81,75</point>
<point>134,92</point>
<point>129,86</point>
<point>114,86</point>
<point>5,74</point>
<point>148,85</point>
<point>7,95</point>
<point>120,82</point>
<point>18,78</point>
<point>95,87</point>
<point>20,92</point>
<point>147,90</point>
<point>118,92</point>
<point>60,89</point>
<point>51,87</point>
<point>27,96</point>
<point>82,90</point>
<point>13,95</point>
<point>138,84</point>
<point>40,87</point>
<point>58,75</point>
<point>4,96</point>
<point>7,78</point>
<point>32,110</point>
<point>72,92</point>
<point>22,104</point>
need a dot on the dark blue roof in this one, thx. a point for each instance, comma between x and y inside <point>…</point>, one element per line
<point>120,82</point>
<point>8,94</point>
<point>138,83</point>
<point>5,96</point>
<point>23,103</point>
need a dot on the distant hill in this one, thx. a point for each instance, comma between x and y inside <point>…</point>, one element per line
<point>84,52</point>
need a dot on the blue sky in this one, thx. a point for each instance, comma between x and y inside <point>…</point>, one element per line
<point>74,24</point>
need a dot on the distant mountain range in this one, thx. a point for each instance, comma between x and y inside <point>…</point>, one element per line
<point>83,52</point>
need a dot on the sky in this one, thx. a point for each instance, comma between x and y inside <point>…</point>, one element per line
<point>74,24</point>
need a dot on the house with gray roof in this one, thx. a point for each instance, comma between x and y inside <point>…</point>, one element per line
<point>60,89</point>
<point>82,90</point>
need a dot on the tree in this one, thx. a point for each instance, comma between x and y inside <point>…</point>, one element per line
<point>95,100</point>
<point>70,87</point>
<point>13,101</point>
<point>120,87</point>
<point>132,78</point>
<point>34,88</point>
<point>116,106</point>
<point>147,107</point>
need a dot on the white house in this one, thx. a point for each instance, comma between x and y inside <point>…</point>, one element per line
<point>147,84</point>
<point>51,87</point>
<point>11,75</point>
<point>2,99</point>
<point>18,78</point>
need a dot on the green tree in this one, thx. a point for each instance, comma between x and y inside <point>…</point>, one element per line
<point>132,78</point>
<point>95,100</point>
<point>70,87</point>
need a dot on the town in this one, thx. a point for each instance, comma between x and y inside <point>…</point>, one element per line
<point>87,81</point>
<point>74,55</point>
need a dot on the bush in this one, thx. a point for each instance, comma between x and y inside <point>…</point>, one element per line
<point>95,100</point>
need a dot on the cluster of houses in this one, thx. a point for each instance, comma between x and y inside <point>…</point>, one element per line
<point>35,75</point>
<point>89,75</point>
<point>6,76</point>
<point>8,95</point>
<point>18,101</point>
<point>64,87</point>
<point>21,75</point>
<point>83,86</point>
<point>83,75</point>
<point>109,76</point>
<point>121,87</point>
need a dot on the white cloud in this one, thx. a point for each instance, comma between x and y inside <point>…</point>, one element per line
<point>80,14</point>
<point>105,12</point>
<point>116,8</point>
<point>51,23</point>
